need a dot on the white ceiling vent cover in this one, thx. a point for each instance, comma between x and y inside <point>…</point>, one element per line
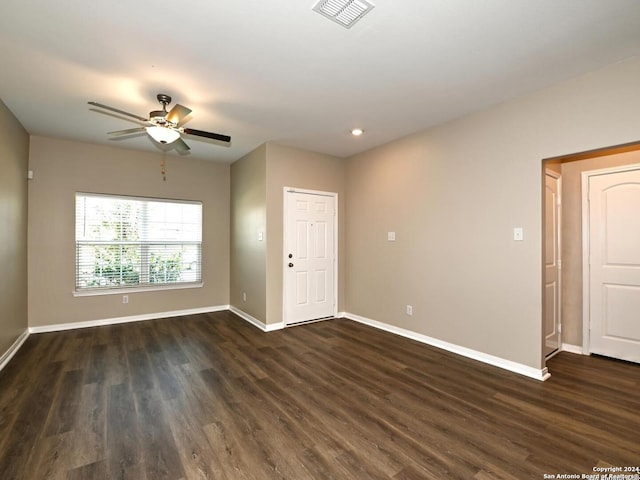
<point>343,12</point>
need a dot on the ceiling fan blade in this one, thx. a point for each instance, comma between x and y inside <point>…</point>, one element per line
<point>181,146</point>
<point>201,133</point>
<point>128,131</point>
<point>177,113</point>
<point>121,112</point>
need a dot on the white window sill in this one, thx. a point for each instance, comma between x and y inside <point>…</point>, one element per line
<point>120,291</point>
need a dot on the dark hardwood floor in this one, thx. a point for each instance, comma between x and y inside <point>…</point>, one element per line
<point>211,397</point>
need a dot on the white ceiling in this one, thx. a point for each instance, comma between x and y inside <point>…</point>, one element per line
<point>277,71</point>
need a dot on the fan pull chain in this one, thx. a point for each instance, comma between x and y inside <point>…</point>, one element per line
<point>163,169</point>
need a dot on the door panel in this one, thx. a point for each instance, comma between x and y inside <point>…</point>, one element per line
<point>614,261</point>
<point>552,265</point>
<point>309,257</point>
<point>321,286</point>
<point>321,240</point>
<point>302,288</point>
<point>622,303</point>
<point>302,230</point>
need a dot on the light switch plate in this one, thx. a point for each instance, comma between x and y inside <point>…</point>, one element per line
<point>518,234</point>
<point>391,236</point>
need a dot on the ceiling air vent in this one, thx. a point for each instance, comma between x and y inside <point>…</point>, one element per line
<point>343,12</point>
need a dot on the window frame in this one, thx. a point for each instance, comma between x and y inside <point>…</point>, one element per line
<point>79,291</point>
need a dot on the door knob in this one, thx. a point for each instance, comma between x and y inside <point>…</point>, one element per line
<point>290,264</point>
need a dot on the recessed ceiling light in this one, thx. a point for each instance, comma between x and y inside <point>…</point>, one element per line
<point>356,132</point>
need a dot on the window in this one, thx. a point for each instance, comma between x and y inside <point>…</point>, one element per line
<point>133,242</point>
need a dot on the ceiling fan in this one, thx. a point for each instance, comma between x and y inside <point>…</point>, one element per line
<point>164,126</point>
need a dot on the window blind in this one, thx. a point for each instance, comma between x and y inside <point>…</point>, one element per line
<point>136,242</point>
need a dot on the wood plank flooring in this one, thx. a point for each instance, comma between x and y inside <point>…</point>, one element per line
<point>211,397</point>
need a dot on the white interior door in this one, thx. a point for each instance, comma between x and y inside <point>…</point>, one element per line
<point>552,264</point>
<point>310,258</point>
<point>614,261</point>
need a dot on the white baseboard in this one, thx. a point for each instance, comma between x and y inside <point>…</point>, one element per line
<point>13,349</point>
<point>133,318</point>
<point>538,374</point>
<point>255,322</point>
<point>567,347</point>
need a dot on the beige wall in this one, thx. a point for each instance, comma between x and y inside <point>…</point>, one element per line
<point>571,233</point>
<point>14,163</point>
<point>62,168</point>
<point>453,195</point>
<point>296,168</point>
<point>248,219</point>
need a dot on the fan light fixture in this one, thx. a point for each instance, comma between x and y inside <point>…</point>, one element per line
<point>163,126</point>
<point>163,134</point>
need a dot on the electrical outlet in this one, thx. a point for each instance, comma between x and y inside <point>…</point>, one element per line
<point>244,296</point>
<point>409,310</point>
<point>125,299</point>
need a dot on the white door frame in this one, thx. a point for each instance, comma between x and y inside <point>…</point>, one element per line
<point>286,190</point>
<point>586,273</point>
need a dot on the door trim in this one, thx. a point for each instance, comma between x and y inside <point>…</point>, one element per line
<point>286,190</point>
<point>586,273</point>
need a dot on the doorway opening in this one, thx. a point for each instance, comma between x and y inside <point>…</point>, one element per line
<point>573,316</point>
